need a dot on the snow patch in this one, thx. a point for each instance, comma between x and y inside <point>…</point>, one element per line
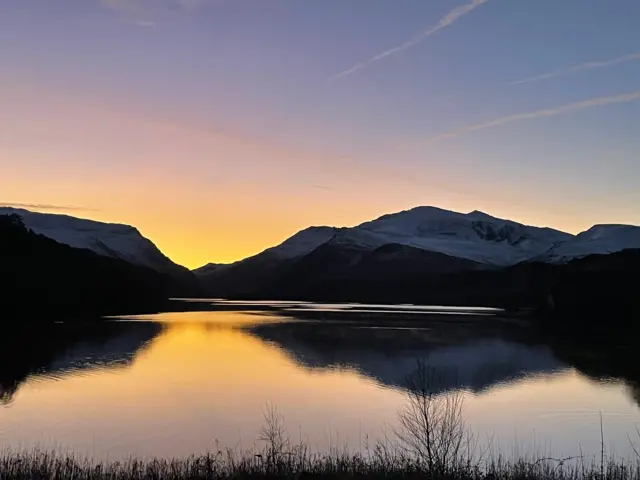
<point>474,236</point>
<point>599,239</point>
<point>303,242</point>
<point>107,239</point>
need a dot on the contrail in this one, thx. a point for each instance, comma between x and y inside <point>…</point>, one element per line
<point>579,68</point>
<point>548,112</point>
<point>444,22</point>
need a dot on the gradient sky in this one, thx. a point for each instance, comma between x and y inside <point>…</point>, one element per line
<point>221,127</point>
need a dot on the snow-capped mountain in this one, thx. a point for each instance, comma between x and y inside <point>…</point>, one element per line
<point>475,236</point>
<point>303,242</point>
<point>259,270</point>
<point>421,241</point>
<point>599,239</point>
<point>106,239</point>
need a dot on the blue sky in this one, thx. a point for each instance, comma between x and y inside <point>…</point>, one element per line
<point>87,82</point>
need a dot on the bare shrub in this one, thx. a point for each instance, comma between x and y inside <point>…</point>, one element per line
<point>275,436</point>
<point>431,426</point>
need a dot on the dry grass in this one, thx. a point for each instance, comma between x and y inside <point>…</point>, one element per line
<point>298,463</point>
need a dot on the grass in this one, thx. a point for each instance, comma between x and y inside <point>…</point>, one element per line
<point>299,464</point>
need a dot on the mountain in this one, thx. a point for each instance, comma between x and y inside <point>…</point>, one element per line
<point>330,267</point>
<point>432,256</point>
<point>422,240</point>
<point>45,280</point>
<point>255,273</point>
<point>600,286</point>
<point>475,236</point>
<point>603,286</point>
<point>107,239</point>
<point>208,269</point>
<point>599,239</point>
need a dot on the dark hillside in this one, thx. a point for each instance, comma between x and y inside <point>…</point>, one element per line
<point>44,280</point>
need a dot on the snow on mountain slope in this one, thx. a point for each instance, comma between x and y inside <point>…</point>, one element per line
<point>107,239</point>
<point>263,268</point>
<point>303,242</point>
<point>421,240</point>
<point>474,236</point>
<point>599,239</point>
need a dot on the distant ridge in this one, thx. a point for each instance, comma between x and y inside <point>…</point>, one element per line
<point>423,241</point>
<point>111,240</point>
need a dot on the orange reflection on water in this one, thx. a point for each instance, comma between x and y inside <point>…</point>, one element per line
<point>203,379</point>
<point>197,378</point>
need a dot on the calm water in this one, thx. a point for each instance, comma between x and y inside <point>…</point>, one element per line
<point>181,383</point>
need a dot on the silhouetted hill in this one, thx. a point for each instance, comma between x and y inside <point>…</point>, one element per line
<point>123,242</point>
<point>599,292</point>
<point>329,264</point>
<point>596,284</point>
<point>44,280</point>
<point>432,282</point>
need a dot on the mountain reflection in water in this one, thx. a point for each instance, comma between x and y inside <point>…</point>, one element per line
<point>389,355</point>
<point>59,350</point>
<point>177,383</point>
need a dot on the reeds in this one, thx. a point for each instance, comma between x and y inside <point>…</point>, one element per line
<point>297,463</point>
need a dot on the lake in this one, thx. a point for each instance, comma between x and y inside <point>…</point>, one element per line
<point>182,383</point>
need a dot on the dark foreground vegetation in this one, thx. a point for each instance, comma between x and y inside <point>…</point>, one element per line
<point>44,280</point>
<point>299,465</point>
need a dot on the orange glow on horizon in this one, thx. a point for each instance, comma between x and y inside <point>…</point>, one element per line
<point>202,194</point>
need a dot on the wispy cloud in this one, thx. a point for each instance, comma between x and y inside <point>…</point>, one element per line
<point>323,187</point>
<point>579,68</point>
<point>45,206</point>
<point>444,22</point>
<point>547,112</point>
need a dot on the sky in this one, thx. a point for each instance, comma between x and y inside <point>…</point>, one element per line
<point>221,127</point>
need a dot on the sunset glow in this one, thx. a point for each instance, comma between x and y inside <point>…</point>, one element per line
<point>217,135</point>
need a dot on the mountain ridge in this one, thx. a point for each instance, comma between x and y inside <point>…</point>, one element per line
<point>421,241</point>
<point>113,240</point>
<point>375,239</point>
<point>47,280</point>
<point>599,239</point>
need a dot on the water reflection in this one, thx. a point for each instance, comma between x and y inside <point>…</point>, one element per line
<point>54,351</point>
<point>175,384</point>
<point>389,354</point>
